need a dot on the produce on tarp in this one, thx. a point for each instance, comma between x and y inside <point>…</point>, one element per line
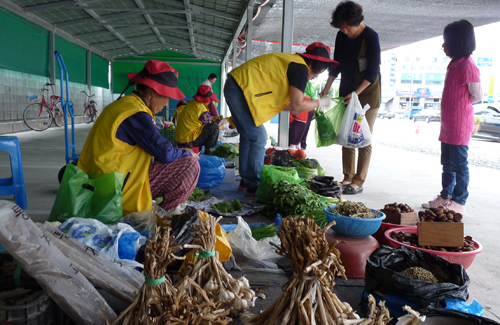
<point>308,298</point>
<point>225,207</point>
<point>159,302</point>
<point>259,233</point>
<point>325,186</point>
<point>234,296</point>
<point>298,153</point>
<point>199,195</point>
<point>308,168</point>
<point>287,198</point>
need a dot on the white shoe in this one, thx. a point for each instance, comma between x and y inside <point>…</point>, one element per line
<point>437,202</point>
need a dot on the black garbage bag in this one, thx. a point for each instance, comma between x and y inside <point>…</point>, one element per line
<point>382,275</point>
<point>459,317</point>
<point>281,158</point>
<point>182,228</point>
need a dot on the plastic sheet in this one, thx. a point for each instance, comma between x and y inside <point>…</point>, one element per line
<point>142,221</point>
<point>385,263</point>
<point>455,317</point>
<point>270,175</point>
<point>207,207</point>
<point>212,171</point>
<point>243,243</point>
<point>354,130</point>
<point>328,122</point>
<point>57,275</point>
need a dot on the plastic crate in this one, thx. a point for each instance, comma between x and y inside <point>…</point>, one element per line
<point>169,134</point>
<point>41,311</point>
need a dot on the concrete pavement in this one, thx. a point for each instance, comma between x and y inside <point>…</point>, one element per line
<point>395,176</point>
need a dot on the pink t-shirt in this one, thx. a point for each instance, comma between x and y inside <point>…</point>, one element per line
<point>457,113</point>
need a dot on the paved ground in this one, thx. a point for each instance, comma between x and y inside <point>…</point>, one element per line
<point>399,173</point>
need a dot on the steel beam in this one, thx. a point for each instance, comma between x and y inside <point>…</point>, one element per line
<point>248,51</point>
<point>243,20</point>
<point>149,20</point>
<point>52,58</point>
<point>222,14</point>
<point>195,25</point>
<point>286,47</point>
<point>106,18</point>
<point>187,63</point>
<point>50,5</point>
<point>187,6</point>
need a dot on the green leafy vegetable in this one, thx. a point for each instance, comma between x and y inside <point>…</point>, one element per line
<point>264,232</point>
<point>226,150</point>
<point>199,195</point>
<point>291,199</point>
<point>225,207</point>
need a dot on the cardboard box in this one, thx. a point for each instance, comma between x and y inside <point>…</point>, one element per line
<point>441,234</point>
<point>407,219</point>
<point>230,173</point>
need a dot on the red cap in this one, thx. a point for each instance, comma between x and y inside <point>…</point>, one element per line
<point>205,95</point>
<point>160,76</point>
<point>319,52</point>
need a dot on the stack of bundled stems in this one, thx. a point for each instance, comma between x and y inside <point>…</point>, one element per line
<point>233,295</point>
<point>158,301</point>
<point>308,298</point>
<point>8,277</point>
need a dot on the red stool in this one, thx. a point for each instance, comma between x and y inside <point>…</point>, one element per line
<point>354,252</point>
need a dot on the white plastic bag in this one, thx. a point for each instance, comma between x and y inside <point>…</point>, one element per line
<point>354,130</point>
<point>241,239</point>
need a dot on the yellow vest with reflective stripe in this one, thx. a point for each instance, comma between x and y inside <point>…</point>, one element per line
<point>264,83</point>
<point>189,126</point>
<point>103,153</point>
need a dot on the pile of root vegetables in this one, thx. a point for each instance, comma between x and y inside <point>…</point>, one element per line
<point>308,297</point>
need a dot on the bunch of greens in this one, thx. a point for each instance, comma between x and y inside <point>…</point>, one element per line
<point>319,217</point>
<point>264,232</point>
<point>291,199</point>
<point>225,207</point>
<point>308,168</point>
<point>199,195</point>
<point>226,150</point>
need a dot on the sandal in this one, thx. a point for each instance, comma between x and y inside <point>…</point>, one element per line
<point>348,189</point>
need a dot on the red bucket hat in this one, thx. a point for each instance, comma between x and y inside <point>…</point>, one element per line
<point>160,76</point>
<point>205,95</point>
<point>320,52</point>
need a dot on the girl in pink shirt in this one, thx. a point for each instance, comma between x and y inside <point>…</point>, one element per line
<point>462,87</point>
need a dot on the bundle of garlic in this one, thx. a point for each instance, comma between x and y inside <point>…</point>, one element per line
<point>158,301</point>
<point>234,295</point>
<point>308,298</point>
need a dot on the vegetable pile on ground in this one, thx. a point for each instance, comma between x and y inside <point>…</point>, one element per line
<point>199,195</point>
<point>226,150</point>
<point>308,298</point>
<point>291,199</point>
<point>158,301</point>
<point>234,296</point>
<point>308,168</point>
<point>259,233</point>
<point>353,210</point>
<point>227,207</point>
<point>325,186</point>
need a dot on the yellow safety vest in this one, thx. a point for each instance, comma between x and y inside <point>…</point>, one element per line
<point>177,111</point>
<point>264,83</point>
<point>103,153</point>
<point>189,126</point>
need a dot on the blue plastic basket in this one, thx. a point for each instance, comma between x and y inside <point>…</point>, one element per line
<point>354,227</point>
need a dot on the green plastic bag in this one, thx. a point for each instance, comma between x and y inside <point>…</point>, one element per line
<point>89,196</point>
<point>328,123</point>
<point>273,174</point>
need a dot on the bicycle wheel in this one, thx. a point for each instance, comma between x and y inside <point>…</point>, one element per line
<point>37,117</point>
<point>58,114</point>
<point>88,114</point>
<point>94,112</point>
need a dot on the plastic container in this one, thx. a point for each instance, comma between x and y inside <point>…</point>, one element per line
<point>354,227</point>
<point>380,234</point>
<point>169,134</point>
<point>41,311</point>
<point>463,258</point>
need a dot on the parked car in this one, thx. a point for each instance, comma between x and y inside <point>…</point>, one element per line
<point>385,114</point>
<point>490,116</point>
<point>413,111</point>
<point>428,115</point>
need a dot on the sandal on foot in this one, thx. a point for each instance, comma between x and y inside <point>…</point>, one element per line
<point>348,189</point>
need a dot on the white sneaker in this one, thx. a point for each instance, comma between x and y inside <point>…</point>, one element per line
<point>437,202</point>
<point>452,205</point>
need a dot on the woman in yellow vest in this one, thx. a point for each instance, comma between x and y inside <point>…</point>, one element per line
<point>194,123</point>
<point>261,88</point>
<point>125,138</point>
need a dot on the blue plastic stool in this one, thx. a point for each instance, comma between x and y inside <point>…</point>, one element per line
<point>15,184</point>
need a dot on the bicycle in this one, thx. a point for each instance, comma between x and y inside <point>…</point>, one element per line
<point>39,116</point>
<point>90,112</point>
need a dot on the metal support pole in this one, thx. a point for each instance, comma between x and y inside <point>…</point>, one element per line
<point>111,82</point>
<point>248,52</point>
<point>286,47</point>
<point>52,58</point>
<point>235,51</point>
<point>223,78</point>
<point>89,72</point>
